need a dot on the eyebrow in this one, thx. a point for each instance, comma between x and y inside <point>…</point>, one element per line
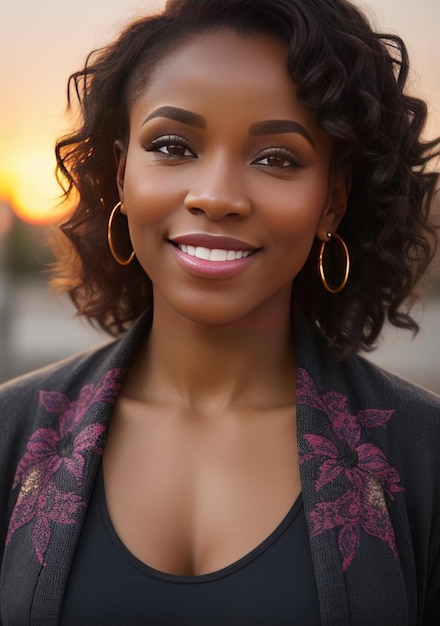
<point>266,127</point>
<point>276,127</point>
<point>179,115</point>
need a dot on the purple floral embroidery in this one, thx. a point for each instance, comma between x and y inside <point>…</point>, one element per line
<point>43,504</point>
<point>364,465</point>
<point>48,451</point>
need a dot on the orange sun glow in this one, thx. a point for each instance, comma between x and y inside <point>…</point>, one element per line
<point>28,183</point>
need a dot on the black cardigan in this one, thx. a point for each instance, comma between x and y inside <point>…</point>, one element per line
<point>369,448</point>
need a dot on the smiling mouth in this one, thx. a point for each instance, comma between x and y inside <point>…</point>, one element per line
<point>214,254</point>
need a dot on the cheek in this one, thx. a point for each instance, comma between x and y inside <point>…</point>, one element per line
<point>149,195</point>
<point>147,208</point>
<point>296,218</point>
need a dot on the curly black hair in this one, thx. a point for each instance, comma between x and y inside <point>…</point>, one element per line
<point>352,78</point>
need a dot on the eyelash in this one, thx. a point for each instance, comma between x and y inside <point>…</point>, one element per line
<point>289,159</point>
<point>170,141</point>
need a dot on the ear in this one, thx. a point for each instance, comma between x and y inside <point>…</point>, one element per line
<point>120,151</point>
<point>336,204</point>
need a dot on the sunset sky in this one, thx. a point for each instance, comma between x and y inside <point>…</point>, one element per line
<point>42,42</point>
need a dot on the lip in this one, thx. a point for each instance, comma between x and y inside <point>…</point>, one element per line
<point>203,268</point>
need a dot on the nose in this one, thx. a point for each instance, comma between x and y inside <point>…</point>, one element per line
<point>218,191</point>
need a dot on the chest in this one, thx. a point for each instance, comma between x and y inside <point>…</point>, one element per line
<point>190,496</point>
<point>273,584</point>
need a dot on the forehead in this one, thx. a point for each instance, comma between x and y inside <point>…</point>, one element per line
<point>225,70</point>
<point>218,50</point>
<point>222,61</point>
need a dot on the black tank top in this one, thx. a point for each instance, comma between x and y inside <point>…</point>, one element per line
<point>274,584</point>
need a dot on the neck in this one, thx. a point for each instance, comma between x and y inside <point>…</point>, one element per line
<point>248,364</point>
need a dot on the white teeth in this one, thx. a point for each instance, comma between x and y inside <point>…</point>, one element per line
<point>214,255</point>
<point>218,255</point>
<point>202,253</point>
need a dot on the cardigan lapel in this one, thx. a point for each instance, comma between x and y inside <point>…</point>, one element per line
<point>353,497</point>
<point>55,477</point>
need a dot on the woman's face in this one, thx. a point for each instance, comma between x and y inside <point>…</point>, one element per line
<point>226,180</point>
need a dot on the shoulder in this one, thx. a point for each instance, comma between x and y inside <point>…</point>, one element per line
<point>381,385</point>
<point>401,414</point>
<point>412,434</point>
<point>29,402</point>
<point>362,381</point>
<point>62,373</point>
<point>22,399</point>
<point>67,396</point>
<point>389,423</point>
<point>402,419</point>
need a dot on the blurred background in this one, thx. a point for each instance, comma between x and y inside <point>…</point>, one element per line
<point>41,44</point>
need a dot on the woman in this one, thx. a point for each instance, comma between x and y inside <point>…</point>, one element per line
<point>260,174</point>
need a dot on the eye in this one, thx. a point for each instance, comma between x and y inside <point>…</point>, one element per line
<point>278,158</point>
<point>171,146</point>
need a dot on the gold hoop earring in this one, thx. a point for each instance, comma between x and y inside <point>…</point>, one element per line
<point>115,255</point>
<point>341,286</point>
